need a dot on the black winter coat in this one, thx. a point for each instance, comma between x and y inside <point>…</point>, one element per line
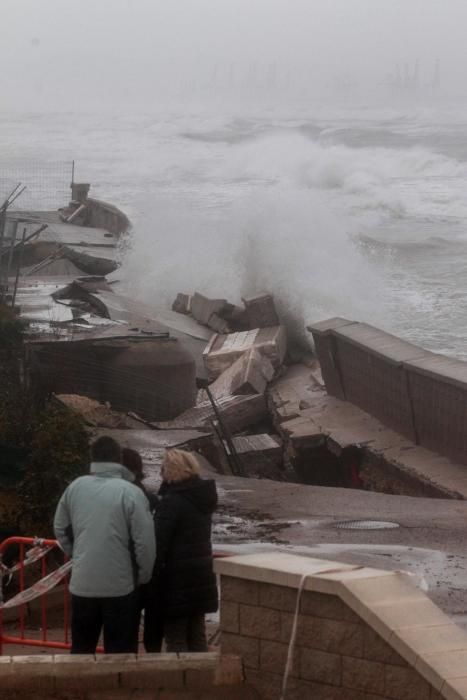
<point>185,583</point>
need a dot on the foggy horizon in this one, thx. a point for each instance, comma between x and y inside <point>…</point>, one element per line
<point>66,56</point>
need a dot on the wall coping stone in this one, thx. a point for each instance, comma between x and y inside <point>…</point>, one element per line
<point>378,342</point>
<point>327,326</point>
<point>441,368</point>
<point>388,601</point>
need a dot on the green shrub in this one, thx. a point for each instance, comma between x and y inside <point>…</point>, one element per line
<point>59,452</point>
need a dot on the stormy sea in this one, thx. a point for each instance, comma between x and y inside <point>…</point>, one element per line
<point>354,212</point>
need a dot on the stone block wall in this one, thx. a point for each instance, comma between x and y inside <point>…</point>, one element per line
<point>123,677</point>
<point>337,655</point>
<point>361,634</point>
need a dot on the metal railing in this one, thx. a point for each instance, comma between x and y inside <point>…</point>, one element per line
<point>32,550</point>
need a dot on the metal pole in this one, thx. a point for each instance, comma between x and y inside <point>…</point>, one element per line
<point>12,245</point>
<point>234,461</point>
<point>20,260</point>
<point>2,237</point>
<point>35,233</point>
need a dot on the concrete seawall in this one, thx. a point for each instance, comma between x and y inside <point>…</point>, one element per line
<point>417,393</point>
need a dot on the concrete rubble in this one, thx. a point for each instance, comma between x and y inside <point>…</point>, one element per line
<point>208,365</point>
<point>249,374</point>
<point>224,349</point>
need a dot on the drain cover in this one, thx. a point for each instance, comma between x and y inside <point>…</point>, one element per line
<point>366,525</point>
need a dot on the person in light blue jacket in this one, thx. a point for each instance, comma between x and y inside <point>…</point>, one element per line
<point>103,522</point>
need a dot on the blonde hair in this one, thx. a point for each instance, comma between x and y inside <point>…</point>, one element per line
<point>179,465</point>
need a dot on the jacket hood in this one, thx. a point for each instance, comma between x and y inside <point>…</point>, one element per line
<point>111,470</point>
<point>202,493</point>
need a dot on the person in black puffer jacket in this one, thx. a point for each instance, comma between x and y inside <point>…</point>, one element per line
<point>183,587</point>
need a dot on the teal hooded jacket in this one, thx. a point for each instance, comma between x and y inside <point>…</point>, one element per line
<point>103,522</point>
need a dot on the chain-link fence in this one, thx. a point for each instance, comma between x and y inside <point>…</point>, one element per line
<point>47,183</point>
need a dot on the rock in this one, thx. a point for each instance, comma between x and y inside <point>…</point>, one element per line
<point>249,374</point>
<point>223,350</point>
<point>261,311</point>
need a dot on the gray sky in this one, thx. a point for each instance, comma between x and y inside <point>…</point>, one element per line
<point>101,53</point>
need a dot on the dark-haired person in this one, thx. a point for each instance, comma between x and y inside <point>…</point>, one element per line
<point>132,460</point>
<point>103,522</point>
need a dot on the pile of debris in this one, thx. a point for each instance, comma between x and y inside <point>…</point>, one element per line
<point>244,355</point>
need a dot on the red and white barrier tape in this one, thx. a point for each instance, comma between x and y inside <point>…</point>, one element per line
<point>39,588</point>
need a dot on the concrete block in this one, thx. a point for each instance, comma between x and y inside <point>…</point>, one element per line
<point>32,674</point>
<point>277,597</point>
<point>223,350</point>
<point>327,606</point>
<point>261,311</point>
<point>202,307</point>
<point>152,671</point>
<point>376,649</point>
<point>260,622</point>
<point>405,684</point>
<point>273,657</point>
<point>182,304</point>
<point>229,670</point>
<point>321,666</point>
<point>260,455</point>
<point>360,674</point>
<point>335,636</point>
<point>247,648</point>
<point>238,413</point>
<point>81,672</point>
<point>239,590</point>
<point>199,678</point>
<point>229,617</point>
<point>249,374</point>
<point>218,324</point>
<point>5,672</point>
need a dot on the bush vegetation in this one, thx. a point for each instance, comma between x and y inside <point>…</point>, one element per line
<point>43,446</point>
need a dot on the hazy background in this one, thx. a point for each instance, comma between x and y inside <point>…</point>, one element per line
<point>313,148</point>
<point>127,54</point>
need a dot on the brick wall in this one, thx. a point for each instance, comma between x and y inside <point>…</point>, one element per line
<point>123,677</point>
<point>337,655</point>
<point>363,635</point>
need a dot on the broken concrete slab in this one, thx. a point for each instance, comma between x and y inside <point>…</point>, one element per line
<point>182,304</point>
<point>218,324</point>
<point>261,311</point>
<point>238,413</point>
<point>261,455</point>
<point>223,350</point>
<point>290,392</point>
<point>250,374</point>
<point>202,308</point>
<point>392,463</point>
